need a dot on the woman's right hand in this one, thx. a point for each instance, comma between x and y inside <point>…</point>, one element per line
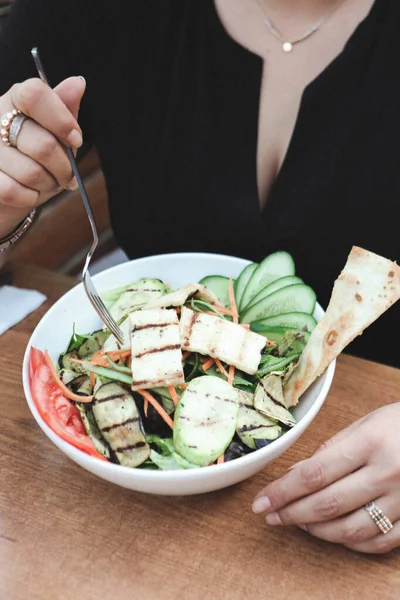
<point>38,167</point>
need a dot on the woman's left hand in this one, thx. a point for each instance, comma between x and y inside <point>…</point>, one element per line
<point>326,494</point>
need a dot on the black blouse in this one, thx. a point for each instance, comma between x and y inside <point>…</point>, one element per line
<point>172,108</point>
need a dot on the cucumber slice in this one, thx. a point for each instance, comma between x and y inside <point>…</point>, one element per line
<point>242,281</point>
<point>297,320</point>
<point>219,285</point>
<point>275,286</point>
<point>275,334</point>
<point>205,419</point>
<point>272,267</point>
<point>297,297</point>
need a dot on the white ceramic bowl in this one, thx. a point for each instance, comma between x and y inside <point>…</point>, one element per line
<point>54,331</point>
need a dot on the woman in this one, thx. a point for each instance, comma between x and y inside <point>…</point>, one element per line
<point>240,127</point>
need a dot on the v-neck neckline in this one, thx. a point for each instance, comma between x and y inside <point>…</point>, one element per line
<point>352,48</point>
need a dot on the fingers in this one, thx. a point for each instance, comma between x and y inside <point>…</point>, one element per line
<point>342,434</point>
<point>44,149</point>
<point>70,91</point>
<point>324,468</point>
<point>14,194</point>
<point>35,99</point>
<point>381,543</point>
<point>337,499</point>
<point>357,528</point>
<point>25,171</point>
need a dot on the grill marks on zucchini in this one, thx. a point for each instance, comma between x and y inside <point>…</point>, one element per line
<point>205,419</point>
<point>208,395</point>
<point>269,400</point>
<point>118,419</point>
<point>137,295</point>
<point>253,427</point>
<point>99,400</point>
<point>122,424</point>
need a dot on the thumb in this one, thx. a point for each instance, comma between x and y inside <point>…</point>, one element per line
<point>70,91</point>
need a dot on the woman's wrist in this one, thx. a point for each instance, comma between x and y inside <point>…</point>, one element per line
<point>13,235</point>
<point>10,218</point>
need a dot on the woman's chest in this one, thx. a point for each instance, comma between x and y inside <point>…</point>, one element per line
<point>285,75</point>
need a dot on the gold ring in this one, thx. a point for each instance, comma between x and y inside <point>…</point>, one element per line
<point>6,122</point>
<point>379,517</point>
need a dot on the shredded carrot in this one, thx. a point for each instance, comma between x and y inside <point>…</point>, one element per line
<point>270,343</point>
<point>207,364</point>
<point>81,362</point>
<point>97,355</point>
<point>185,355</point>
<point>245,325</point>
<point>92,379</point>
<point>157,406</point>
<point>231,374</point>
<point>146,406</point>
<point>232,301</point>
<point>173,394</point>
<point>222,309</point>
<point>100,357</point>
<point>220,459</point>
<point>221,367</point>
<point>65,390</point>
<point>183,385</point>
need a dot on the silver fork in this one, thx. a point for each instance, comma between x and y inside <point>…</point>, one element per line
<point>90,289</point>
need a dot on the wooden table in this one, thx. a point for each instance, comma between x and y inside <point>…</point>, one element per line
<point>66,535</point>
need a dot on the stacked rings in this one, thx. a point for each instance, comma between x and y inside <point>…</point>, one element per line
<point>379,517</point>
<point>11,123</point>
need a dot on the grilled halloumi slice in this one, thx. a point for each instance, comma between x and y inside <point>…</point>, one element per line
<point>218,338</point>
<point>156,349</point>
<point>118,420</point>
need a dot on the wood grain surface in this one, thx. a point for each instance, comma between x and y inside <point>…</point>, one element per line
<point>66,535</point>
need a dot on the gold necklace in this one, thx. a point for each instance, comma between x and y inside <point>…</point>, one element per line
<point>287,45</point>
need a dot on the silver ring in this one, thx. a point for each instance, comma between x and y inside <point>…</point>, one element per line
<point>379,517</point>
<point>15,129</point>
<point>6,122</point>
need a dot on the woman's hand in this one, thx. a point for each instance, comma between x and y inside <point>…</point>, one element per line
<point>38,167</point>
<point>326,494</point>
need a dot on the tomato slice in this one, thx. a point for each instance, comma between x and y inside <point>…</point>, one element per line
<point>36,358</point>
<point>61,415</point>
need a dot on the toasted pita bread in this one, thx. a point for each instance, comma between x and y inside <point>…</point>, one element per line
<point>368,285</point>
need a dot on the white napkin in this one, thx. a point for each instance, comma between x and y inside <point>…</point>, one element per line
<point>16,304</point>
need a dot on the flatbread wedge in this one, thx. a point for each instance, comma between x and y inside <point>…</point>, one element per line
<point>368,285</point>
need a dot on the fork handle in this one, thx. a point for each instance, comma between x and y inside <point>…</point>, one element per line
<point>71,157</point>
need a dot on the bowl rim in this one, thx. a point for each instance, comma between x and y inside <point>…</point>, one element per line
<point>160,475</point>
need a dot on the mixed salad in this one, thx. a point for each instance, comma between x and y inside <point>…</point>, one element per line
<point>201,375</point>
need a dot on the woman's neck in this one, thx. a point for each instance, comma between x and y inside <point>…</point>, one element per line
<point>311,10</point>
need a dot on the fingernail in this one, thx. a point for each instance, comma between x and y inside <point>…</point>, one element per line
<point>72,185</point>
<point>303,527</point>
<point>83,79</point>
<point>273,519</point>
<point>261,504</point>
<point>74,138</point>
